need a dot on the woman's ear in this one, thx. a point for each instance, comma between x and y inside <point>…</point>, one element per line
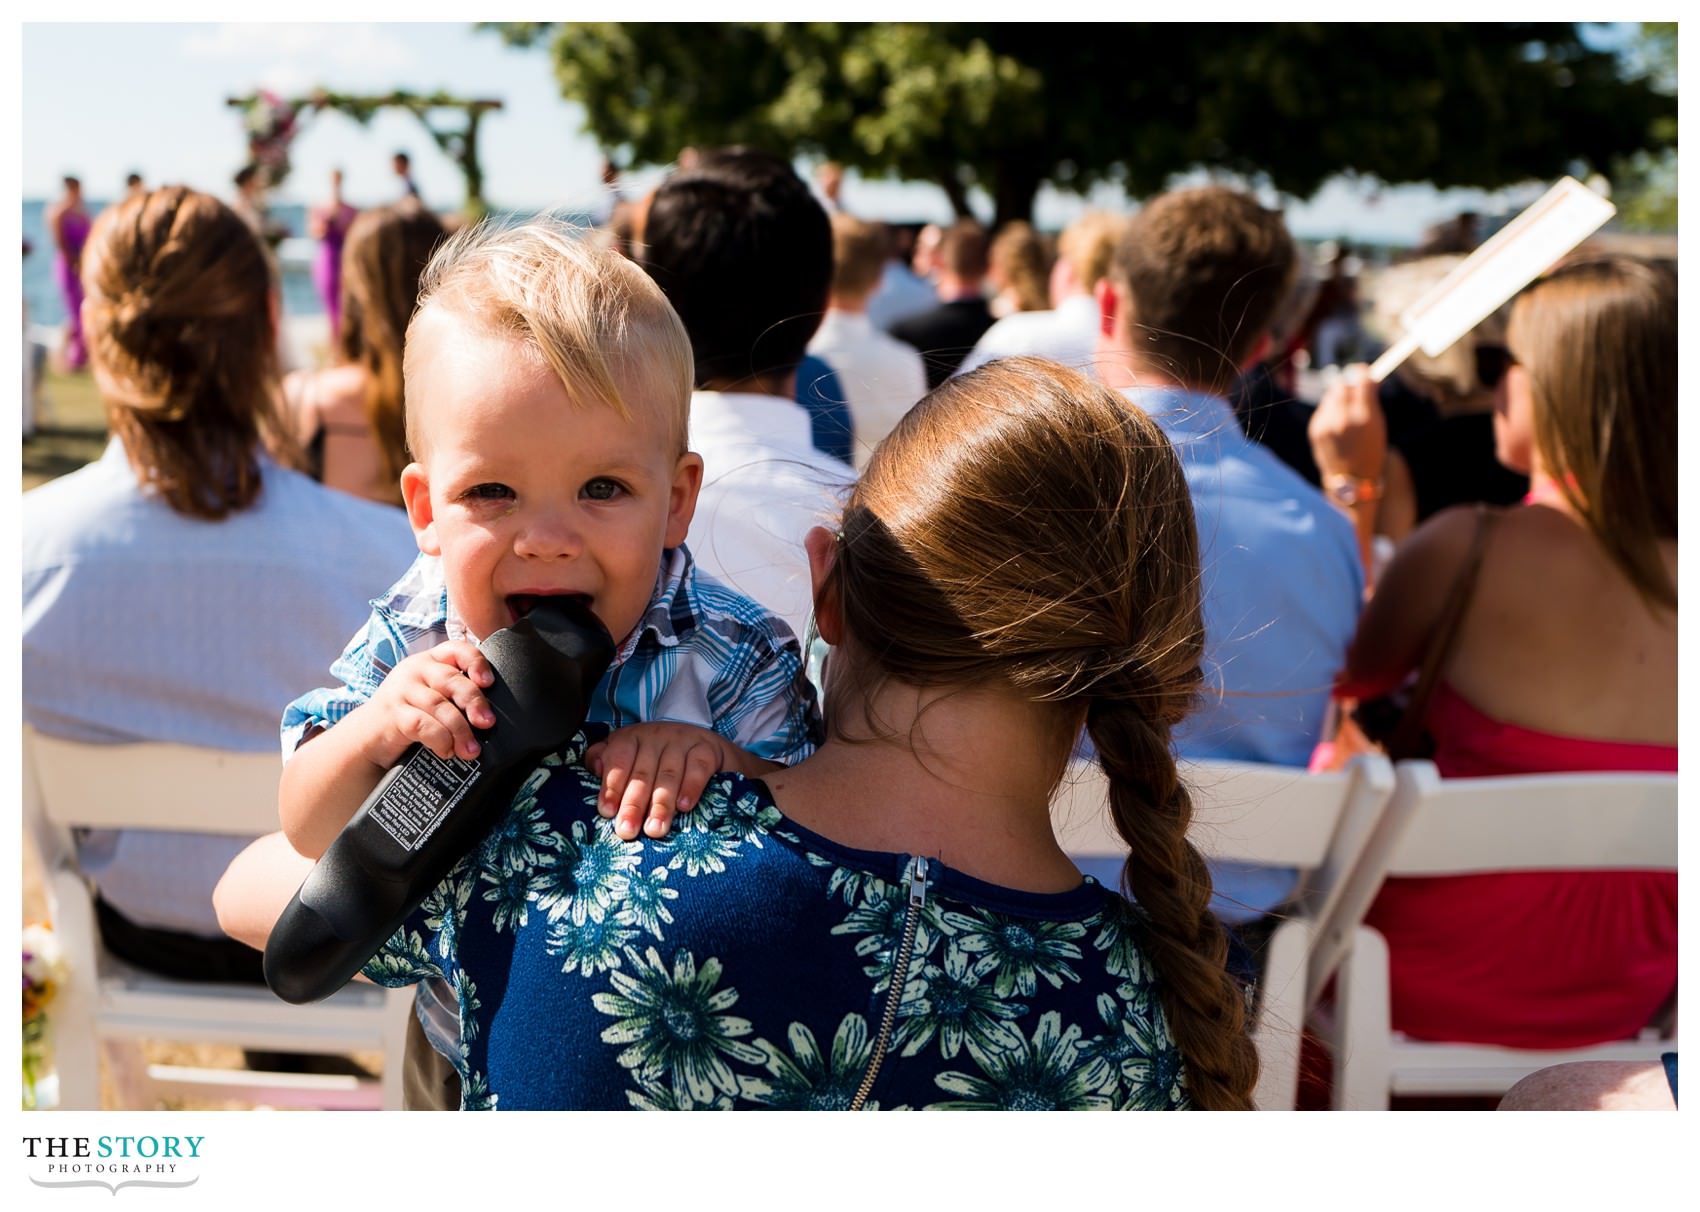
<point>822,546</point>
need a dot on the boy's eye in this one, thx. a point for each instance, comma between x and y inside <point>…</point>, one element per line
<point>489,492</point>
<point>602,489</point>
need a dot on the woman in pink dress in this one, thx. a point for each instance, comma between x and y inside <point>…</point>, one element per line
<point>329,224</point>
<point>1565,660</point>
<point>69,222</point>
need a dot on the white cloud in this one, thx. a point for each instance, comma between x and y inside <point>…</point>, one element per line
<point>300,54</point>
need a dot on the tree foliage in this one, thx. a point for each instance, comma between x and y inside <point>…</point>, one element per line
<point>1007,106</point>
<point>1644,182</point>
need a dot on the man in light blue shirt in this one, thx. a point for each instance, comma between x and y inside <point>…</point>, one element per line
<point>1193,287</point>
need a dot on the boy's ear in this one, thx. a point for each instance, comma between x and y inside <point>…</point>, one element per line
<point>416,496</point>
<point>822,547</point>
<point>682,497</point>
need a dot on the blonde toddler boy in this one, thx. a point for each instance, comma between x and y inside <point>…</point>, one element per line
<point>548,390</point>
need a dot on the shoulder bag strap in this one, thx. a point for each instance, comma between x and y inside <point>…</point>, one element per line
<point>1403,740</point>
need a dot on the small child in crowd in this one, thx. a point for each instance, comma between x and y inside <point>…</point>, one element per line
<point>548,387</point>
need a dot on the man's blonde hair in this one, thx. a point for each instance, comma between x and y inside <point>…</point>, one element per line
<point>601,323</point>
<point>1087,245</point>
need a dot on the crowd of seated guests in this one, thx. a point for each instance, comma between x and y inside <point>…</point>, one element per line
<point>1539,452</point>
<point>1067,331</point>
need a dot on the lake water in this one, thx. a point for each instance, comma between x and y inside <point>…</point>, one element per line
<point>300,298</point>
<point>47,307</point>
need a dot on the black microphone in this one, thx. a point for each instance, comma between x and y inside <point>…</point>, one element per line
<point>427,812</point>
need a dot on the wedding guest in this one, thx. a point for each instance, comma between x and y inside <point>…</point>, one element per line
<point>68,219</point>
<point>350,417</point>
<point>1193,287</point>
<point>881,376</point>
<point>744,254</point>
<point>1018,270</point>
<point>946,332</point>
<point>328,224</point>
<point>1564,660</point>
<point>186,584</point>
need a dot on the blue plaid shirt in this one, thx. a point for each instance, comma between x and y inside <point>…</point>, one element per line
<point>702,654</point>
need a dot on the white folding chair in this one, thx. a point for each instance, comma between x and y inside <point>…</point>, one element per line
<point>1435,826</point>
<point>1253,812</point>
<point>107,1002</point>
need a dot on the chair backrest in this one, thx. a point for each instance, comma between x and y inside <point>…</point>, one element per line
<point>1247,812</point>
<point>173,788</point>
<point>1436,826</point>
<point>1257,813</point>
<point>154,786</point>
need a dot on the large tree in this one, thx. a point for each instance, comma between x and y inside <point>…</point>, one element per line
<point>1007,107</point>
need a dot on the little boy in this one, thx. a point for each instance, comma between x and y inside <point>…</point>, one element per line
<point>548,390</point>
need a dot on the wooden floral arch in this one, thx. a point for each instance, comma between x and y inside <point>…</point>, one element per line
<point>272,122</point>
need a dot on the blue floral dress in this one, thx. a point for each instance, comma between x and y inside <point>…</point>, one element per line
<point>745,961</point>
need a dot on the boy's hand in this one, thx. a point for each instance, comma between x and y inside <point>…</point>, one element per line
<point>435,698</point>
<point>660,769</point>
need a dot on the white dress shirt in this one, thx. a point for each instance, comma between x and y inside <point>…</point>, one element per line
<point>881,376</point>
<point>141,624</point>
<point>764,485</point>
<point>1068,335</point>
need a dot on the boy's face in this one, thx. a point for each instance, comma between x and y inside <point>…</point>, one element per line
<point>525,494</point>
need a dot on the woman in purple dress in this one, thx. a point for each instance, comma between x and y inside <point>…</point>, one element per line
<point>68,220</point>
<point>328,224</point>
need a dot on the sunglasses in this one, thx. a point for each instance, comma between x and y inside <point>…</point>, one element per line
<point>1492,361</point>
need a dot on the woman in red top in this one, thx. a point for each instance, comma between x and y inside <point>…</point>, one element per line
<point>1565,661</point>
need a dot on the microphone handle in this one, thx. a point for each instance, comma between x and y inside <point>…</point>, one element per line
<point>427,812</point>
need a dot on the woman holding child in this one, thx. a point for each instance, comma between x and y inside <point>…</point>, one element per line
<point>1564,660</point>
<point>889,922</point>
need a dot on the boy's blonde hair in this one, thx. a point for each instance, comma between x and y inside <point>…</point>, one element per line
<point>601,323</point>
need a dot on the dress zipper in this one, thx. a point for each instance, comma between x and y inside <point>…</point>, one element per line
<point>899,977</point>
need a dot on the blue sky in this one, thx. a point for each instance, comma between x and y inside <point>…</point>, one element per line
<point>100,99</point>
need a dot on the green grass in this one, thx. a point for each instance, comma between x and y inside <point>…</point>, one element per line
<point>70,427</point>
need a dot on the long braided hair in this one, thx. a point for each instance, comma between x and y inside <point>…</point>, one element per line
<point>1024,526</point>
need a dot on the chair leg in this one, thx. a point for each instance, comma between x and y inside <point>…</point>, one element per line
<point>398,1013</point>
<point>1362,1054</point>
<point>1279,1025</point>
<point>71,1018</point>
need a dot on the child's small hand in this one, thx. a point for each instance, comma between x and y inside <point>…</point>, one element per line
<point>659,769</point>
<point>435,698</point>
